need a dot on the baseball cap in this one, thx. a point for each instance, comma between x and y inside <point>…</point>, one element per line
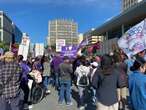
<point>95,64</point>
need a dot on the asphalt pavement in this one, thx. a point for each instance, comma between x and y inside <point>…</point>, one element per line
<point>50,102</point>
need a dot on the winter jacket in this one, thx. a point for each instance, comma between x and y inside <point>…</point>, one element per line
<point>65,71</point>
<point>137,89</point>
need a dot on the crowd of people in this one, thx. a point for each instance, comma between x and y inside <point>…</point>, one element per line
<point>114,80</point>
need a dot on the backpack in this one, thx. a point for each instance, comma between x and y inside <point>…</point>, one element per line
<point>83,80</point>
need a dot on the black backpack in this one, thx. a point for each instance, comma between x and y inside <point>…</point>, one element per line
<point>83,80</point>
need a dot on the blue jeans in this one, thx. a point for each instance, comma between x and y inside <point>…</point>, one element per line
<point>46,81</point>
<point>65,91</point>
<point>15,103</point>
<point>56,80</point>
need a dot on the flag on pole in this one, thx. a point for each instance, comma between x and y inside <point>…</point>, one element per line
<point>83,43</point>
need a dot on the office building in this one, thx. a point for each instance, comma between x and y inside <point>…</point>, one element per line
<point>126,4</point>
<point>92,39</point>
<point>17,34</point>
<point>63,29</point>
<point>95,39</point>
<point>9,32</point>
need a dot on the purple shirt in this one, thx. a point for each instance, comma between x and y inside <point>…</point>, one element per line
<point>25,71</point>
<point>56,62</point>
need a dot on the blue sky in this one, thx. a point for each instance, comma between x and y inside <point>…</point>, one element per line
<point>32,16</point>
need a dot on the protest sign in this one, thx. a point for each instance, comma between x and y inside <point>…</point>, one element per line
<point>39,49</point>
<point>69,51</point>
<point>59,44</point>
<point>24,47</point>
<point>134,40</point>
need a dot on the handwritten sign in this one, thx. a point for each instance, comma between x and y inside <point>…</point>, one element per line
<point>134,40</point>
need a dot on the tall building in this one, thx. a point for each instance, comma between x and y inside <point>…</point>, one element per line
<point>92,39</point>
<point>63,29</point>
<point>9,32</point>
<point>129,3</point>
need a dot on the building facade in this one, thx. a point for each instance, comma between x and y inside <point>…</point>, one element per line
<point>9,32</point>
<point>17,34</point>
<point>129,3</point>
<point>118,25</point>
<point>95,39</point>
<point>63,29</point>
<point>92,39</point>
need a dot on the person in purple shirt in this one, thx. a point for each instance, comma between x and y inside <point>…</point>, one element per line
<point>37,64</point>
<point>24,79</point>
<point>57,60</point>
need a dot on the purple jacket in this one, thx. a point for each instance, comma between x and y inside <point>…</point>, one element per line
<point>25,71</point>
<point>55,63</point>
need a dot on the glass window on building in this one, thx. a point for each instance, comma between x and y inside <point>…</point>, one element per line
<point>52,34</point>
<point>68,40</point>
<point>61,37</point>
<point>52,28</point>
<point>75,40</point>
<point>74,34</point>
<point>52,41</point>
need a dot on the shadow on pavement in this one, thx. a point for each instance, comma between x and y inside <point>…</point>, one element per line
<point>88,99</point>
<point>75,96</point>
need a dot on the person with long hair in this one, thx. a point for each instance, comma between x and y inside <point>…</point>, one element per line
<point>46,74</point>
<point>137,85</point>
<point>106,81</point>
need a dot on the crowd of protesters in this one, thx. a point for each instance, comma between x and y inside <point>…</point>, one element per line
<point>114,80</point>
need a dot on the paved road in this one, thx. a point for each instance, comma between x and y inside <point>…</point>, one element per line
<point>50,103</point>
